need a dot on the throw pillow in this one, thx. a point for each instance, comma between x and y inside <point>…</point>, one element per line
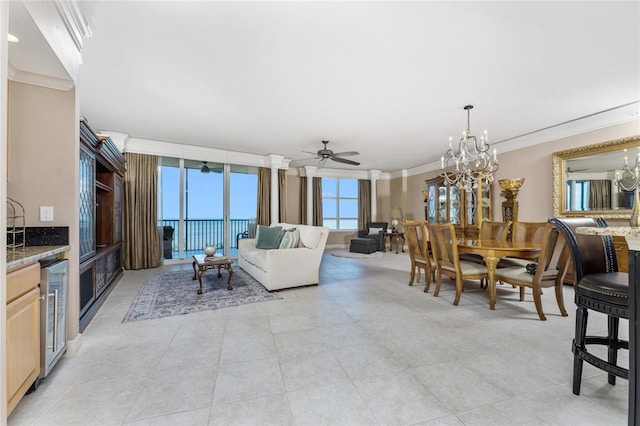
<point>269,237</point>
<point>310,236</point>
<point>375,231</point>
<point>290,239</point>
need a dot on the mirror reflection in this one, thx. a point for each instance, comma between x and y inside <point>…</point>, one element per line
<point>592,181</point>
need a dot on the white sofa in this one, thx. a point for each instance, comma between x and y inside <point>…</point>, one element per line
<point>284,268</point>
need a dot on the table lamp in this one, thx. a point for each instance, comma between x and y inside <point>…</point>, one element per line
<point>395,215</point>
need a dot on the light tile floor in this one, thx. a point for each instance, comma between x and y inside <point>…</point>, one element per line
<point>361,348</point>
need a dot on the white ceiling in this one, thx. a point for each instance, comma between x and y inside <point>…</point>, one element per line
<point>387,79</point>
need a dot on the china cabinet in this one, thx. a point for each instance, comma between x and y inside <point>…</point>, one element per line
<point>465,210</point>
<point>102,168</point>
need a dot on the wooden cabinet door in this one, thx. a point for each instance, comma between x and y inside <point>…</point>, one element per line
<point>23,345</point>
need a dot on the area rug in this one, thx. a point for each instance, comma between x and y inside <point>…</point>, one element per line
<point>175,293</point>
<point>350,255</point>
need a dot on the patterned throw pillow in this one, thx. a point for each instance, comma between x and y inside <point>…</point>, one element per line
<point>375,231</point>
<point>290,239</point>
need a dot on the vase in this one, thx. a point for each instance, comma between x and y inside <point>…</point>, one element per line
<point>635,213</point>
<point>210,250</point>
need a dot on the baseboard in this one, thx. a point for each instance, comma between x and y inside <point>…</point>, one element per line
<point>73,346</point>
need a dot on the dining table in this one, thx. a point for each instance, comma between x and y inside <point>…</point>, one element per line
<point>494,250</point>
<point>632,236</point>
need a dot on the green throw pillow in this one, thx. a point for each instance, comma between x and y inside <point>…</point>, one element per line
<point>269,237</point>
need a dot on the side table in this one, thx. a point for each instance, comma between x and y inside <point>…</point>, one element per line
<point>392,236</point>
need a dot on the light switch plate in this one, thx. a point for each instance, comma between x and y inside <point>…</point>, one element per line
<point>46,214</point>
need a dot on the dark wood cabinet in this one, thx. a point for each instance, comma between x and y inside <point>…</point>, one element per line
<point>102,168</point>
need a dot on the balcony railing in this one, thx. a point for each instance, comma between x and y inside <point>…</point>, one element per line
<point>202,232</point>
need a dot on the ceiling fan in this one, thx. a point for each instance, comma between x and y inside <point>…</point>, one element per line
<point>206,169</point>
<point>326,154</point>
<point>570,170</point>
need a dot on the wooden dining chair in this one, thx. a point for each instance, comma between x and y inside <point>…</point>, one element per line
<point>548,273</point>
<point>444,245</point>
<point>524,232</point>
<point>417,238</point>
<point>494,230</point>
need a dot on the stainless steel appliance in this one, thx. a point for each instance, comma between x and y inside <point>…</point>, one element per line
<point>53,313</point>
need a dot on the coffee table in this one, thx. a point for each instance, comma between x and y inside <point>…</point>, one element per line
<point>202,264</point>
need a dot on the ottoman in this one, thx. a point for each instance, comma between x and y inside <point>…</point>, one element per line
<point>363,245</point>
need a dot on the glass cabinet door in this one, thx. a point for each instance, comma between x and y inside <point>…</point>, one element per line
<point>431,203</point>
<point>455,205</point>
<point>485,200</point>
<point>471,206</point>
<point>443,204</point>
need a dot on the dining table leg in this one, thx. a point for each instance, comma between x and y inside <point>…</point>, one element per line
<point>491,262</point>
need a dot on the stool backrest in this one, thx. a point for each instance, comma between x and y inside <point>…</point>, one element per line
<point>590,253</point>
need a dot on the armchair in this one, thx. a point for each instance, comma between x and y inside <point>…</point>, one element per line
<point>371,232</point>
<point>167,241</point>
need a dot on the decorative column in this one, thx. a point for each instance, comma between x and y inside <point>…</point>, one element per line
<point>276,162</point>
<point>510,189</point>
<point>310,172</point>
<point>374,175</point>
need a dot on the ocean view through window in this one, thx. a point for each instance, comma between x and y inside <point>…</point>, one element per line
<point>196,203</point>
<point>340,203</point>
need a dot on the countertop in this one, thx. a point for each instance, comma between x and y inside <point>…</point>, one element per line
<point>631,235</point>
<point>24,256</point>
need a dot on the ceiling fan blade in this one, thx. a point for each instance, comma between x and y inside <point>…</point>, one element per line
<point>322,163</point>
<point>346,154</point>
<point>345,161</point>
<point>312,153</point>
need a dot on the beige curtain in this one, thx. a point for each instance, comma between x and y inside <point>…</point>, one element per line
<point>303,200</point>
<point>141,240</point>
<point>282,192</point>
<point>316,184</point>
<point>600,194</point>
<point>263,216</point>
<point>364,203</point>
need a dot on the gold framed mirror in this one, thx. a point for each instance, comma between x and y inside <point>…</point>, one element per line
<point>584,179</point>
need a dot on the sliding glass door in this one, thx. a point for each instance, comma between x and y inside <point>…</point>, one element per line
<point>206,204</point>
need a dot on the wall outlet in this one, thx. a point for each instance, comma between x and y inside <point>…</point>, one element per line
<point>46,214</point>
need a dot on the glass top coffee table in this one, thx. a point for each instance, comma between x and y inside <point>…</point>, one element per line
<point>202,264</point>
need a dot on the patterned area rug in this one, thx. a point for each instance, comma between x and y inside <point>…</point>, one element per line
<point>350,255</point>
<point>175,293</point>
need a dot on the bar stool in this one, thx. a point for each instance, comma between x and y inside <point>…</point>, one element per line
<point>599,287</point>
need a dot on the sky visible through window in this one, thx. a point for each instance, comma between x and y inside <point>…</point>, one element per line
<point>340,203</point>
<point>204,197</point>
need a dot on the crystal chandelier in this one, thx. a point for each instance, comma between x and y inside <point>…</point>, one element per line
<point>630,181</point>
<point>630,177</point>
<point>472,160</point>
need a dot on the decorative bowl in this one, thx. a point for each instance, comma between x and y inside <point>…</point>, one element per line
<point>210,250</point>
<point>515,183</point>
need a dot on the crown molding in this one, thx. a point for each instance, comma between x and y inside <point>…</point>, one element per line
<point>74,20</point>
<point>39,79</point>
<point>51,20</point>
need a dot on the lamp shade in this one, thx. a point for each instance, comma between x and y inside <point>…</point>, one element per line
<point>395,213</point>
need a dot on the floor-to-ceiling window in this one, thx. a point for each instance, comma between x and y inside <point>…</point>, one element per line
<point>340,203</point>
<point>207,203</point>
